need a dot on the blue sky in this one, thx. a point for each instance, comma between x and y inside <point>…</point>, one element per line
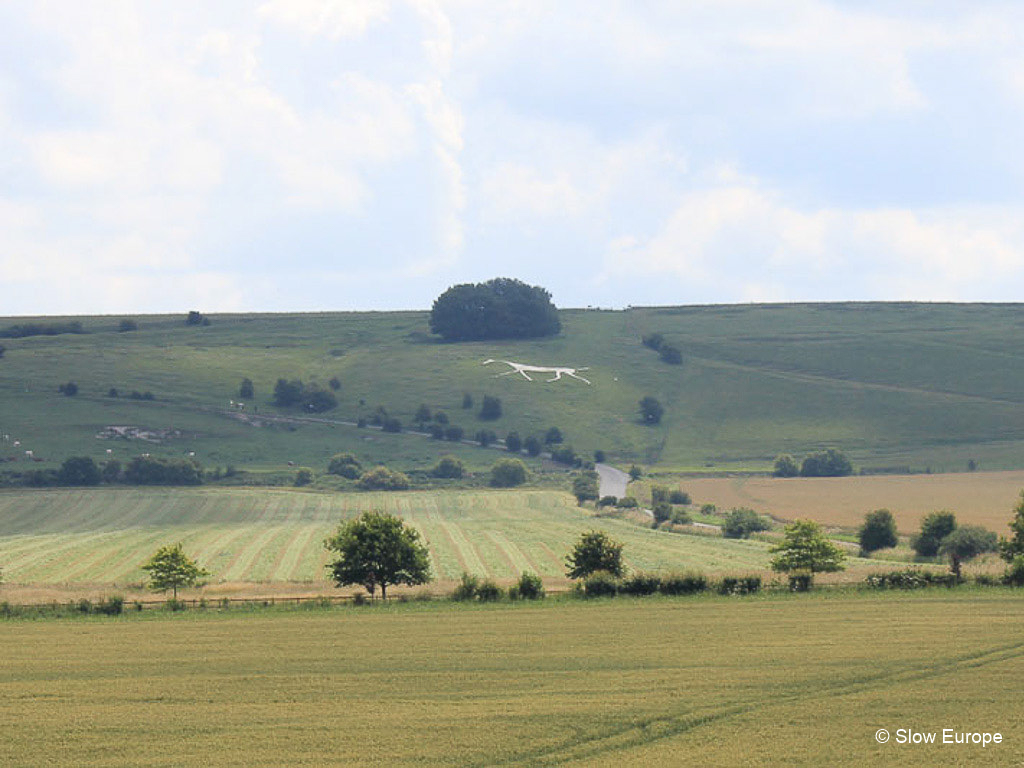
<point>366,154</point>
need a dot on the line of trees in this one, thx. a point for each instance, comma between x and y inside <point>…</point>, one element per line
<point>827,463</point>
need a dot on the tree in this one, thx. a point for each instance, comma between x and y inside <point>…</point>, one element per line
<point>508,473</point>
<point>785,466</point>
<point>79,470</point>
<point>127,325</point>
<point>670,354</point>
<point>653,341</point>
<point>805,548</point>
<point>345,465</point>
<point>1014,546</point>
<point>467,400</point>
<point>303,477</point>
<point>383,479</point>
<point>934,528</point>
<point>595,551</point>
<point>741,522</point>
<point>662,511</point>
<point>966,542</point>
<point>449,467</point>
<point>552,436</point>
<point>827,463</point>
<point>513,443</point>
<point>377,550</point>
<point>533,446</point>
<point>111,471</point>
<point>878,531</point>
<point>585,486</point>
<point>196,318</point>
<point>287,392</point>
<point>246,389</point>
<point>70,389</point>
<point>490,409</point>
<point>501,308</point>
<point>650,410</point>
<point>171,568</point>
<point>453,433</point>
<point>485,437</point>
<point>334,383</point>
<point>422,414</point>
<point>635,473</point>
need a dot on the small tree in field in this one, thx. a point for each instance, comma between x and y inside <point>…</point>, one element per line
<point>1014,546</point>
<point>785,466</point>
<point>805,549</point>
<point>508,473</point>
<point>378,550</point>
<point>965,543</point>
<point>878,531</point>
<point>595,551</point>
<point>170,568</point>
<point>934,528</point>
<point>650,410</point>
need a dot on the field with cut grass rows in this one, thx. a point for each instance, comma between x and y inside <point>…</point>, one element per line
<point>104,535</point>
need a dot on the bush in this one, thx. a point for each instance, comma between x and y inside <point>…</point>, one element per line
<point>513,443</point>
<point>679,497</point>
<point>391,424</point>
<point>453,433</point>
<point>287,393</point>
<point>533,446</point>
<point>490,409</point>
<point>127,325</point>
<point>653,341</point>
<point>448,467</point>
<point>440,417</point>
<point>600,584</point>
<point>785,466</point>
<point>708,509</point>
<point>22,330</point>
<point>827,463</point>
<point>70,389</point>
<point>334,383</point>
<point>599,456</point>
<point>908,578</point>
<point>662,512</point>
<point>303,477</point>
<point>383,479</point>
<point>659,493</point>
<point>688,583</point>
<point>196,318</point>
<point>739,585</point>
<point>565,454</point>
<point>670,355</point>
<point>344,465</point>
<point>800,581</point>
<point>1014,575</point>
<point>147,470</point>
<point>640,584</point>
<point>607,501</point>
<point>436,431</point>
<point>742,522</point>
<point>488,592</point>
<point>79,470</point>
<point>585,486</point>
<point>530,586</point>
<point>467,587</point>
<point>112,392</point>
<point>111,472</point>
<point>651,411</point>
<point>934,528</point>
<point>485,437</point>
<point>311,399</point>
<point>877,532</point>
<point>628,502</point>
<point>681,517</point>
<point>502,308</point>
<point>553,436</point>
<point>422,414</point>
<point>467,401</point>
<point>508,473</point>
<point>246,389</point>
<point>635,473</point>
<point>111,606</point>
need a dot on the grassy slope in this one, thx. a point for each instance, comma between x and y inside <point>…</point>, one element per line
<point>894,384</point>
<point>101,536</point>
<point>801,680</point>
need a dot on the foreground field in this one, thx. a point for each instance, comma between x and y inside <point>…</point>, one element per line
<point>238,534</point>
<point>799,680</point>
<point>979,498</point>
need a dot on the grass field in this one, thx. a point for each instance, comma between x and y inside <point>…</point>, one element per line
<point>239,534</point>
<point>979,498</point>
<point>798,680</point>
<point>924,385</point>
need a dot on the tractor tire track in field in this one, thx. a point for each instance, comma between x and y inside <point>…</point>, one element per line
<point>647,730</point>
<point>288,561</point>
<point>244,559</point>
<point>270,554</point>
<point>515,557</point>
<point>469,557</point>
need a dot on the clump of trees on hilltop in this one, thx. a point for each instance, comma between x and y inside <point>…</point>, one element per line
<point>502,308</point>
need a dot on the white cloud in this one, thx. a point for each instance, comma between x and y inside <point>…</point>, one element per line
<point>332,18</point>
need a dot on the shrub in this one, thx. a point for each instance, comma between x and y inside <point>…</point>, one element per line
<point>488,592</point>
<point>739,585</point>
<point>490,409</point>
<point>1014,575</point>
<point>662,512</point>
<point>607,501</point>
<point>69,389</point>
<point>508,473</point>
<point>681,517</point>
<point>679,497</point>
<point>553,436</point>
<point>533,446</point>
<point>635,473</point>
<point>467,587</point>
<point>334,383</point>
<point>564,454</point>
<point>303,477</point>
<point>599,456</point>
<point>383,479</point>
<point>344,465</point>
<point>361,422</point>
<point>877,532</point>
<point>688,583</point>
<point>391,424</point>
<point>640,584</point>
<point>785,466</point>
<point>127,325</point>
<point>440,417</point>
<point>79,470</point>
<point>742,522</point>
<point>246,389</point>
<point>112,392</point>
<point>174,605</point>
<point>627,502</point>
<point>287,392</point>
<point>359,598</point>
<point>652,340</point>
<point>934,528</point>
<point>436,431</point>
<point>453,433</point>
<point>467,400</point>
<point>651,411</point>
<point>530,586</point>
<point>585,486</point>
<point>659,493</point>
<point>448,467</point>
<point>670,355</point>
<point>708,509</point>
<point>485,437</point>
<point>908,578</point>
<point>422,414</point>
<point>600,584</point>
<point>39,329</point>
<point>196,318</point>
<point>513,443</point>
<point>111,606</point>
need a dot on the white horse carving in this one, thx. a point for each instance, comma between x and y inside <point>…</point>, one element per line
<point>522,368</point>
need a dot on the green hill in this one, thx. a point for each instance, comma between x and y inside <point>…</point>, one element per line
<point>920,385</point>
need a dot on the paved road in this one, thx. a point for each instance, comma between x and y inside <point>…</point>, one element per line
<point>612,481</point>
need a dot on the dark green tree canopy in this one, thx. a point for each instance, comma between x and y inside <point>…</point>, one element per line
<point>805,548</point>
<point>595,551</point>
<point>502,308</point>
<point>827,463</point>
<point>934,528</point>
<point>1014,546</point>
<point>965,543</point>
<point>377,550</point>
<point>878,531</point>
<point>79,470</point>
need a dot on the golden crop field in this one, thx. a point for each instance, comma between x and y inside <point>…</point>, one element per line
<point>773,679</point>
<point>980,498</point>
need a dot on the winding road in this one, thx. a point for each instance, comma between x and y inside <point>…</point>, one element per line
<point>612,481</point>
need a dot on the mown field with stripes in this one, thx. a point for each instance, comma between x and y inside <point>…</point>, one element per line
<point>259,535</point>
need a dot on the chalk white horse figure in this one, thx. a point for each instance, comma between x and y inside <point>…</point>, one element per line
<point>522,368</point>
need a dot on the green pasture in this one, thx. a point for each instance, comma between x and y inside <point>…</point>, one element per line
<point>773,680</point>
<point>919,385</point>
<point>240,534</point>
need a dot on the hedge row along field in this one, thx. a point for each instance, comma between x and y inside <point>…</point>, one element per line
<point>104,535</point>
<point>783,680</point>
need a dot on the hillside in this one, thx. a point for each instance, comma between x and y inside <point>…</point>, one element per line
<point>895,385</point>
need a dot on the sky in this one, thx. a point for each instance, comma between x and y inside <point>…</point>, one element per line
<point>301,155</point>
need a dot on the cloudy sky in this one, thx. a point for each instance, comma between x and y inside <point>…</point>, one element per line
<point>366,154</point>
